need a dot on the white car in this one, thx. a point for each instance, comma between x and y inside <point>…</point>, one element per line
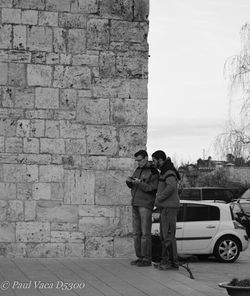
<point>204,228</point>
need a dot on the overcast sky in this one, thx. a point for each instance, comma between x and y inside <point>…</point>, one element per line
<point>188,95</point>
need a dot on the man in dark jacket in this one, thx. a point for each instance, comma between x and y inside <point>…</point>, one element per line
<point>143,184</point>
<point>167,199</point>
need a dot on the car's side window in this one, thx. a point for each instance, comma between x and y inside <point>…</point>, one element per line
<point>180,214</point>
<point>190,194</point>
<point>217,194</point>
<point>195,212</point>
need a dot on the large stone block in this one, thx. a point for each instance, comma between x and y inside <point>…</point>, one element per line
<point>19,37</point>
<point>15,210</point>
<point>85,59</point>
<point>98,34</point>
<point>11,16</point>
<point>93,111</point>
<point>32,158</point>
<point>3,73</point>
<point>55,211</point>
<point>120,9</point>
<point>30,17</point>
<point>47,98</point>
<point>132,139</point>
<point>37,126</point>
<point>8,96</point>
<point>14,145</point>
<point>74,146</point>
<point>68,99</point>
<point>24,98</point>
<point>124,247</point>
<point>60,39</point>
<point>6,3</point>
<point>57,191</point>
<point>23,128</point>
<point>124,164</point>
<point>72,20</point>
<point>70,129</point>
<point>99,247</point>
<point>129,112</point>
<point>51,173</point>
<point>141,10</point>
<point>52,146</point>
<point>8,191</point>
<point>7,232</point>
<point>14,172</point>
<point>77,41</point>
<point>58,5</point>
<point>29,4</point>
<point>99,226</point>
<point>39,75</point>
<point>41,191</point>
<point>31,145</point>
<point>97,211</point>
<point>32,232</point>
<point>45,250</point>
<point>52,128</point>
<point>107,64</point>
<point>17,75</point>
<point>102,140</point>
<point>74,250</point>
<point>111,188</point>
<point>48,18</point>
<point>64,226</point>
<point>94,162</point>
<point>24,191</point>
<point>29,210</point>
<point>67,237</point>
<point>3,210</point>
<point>5,36</point>
<point>85,6</point>
<point>72,77</point>
<point>39,38</point>
<point>79,187</point>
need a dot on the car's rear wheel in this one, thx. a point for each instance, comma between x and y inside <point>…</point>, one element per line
<point>227,249</point>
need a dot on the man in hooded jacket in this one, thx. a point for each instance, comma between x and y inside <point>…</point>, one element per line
<point>167,199</point>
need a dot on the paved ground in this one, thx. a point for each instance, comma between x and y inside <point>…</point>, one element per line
<point>114,277</point>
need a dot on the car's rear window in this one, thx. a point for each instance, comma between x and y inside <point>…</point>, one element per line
<point>217,194</point>
<point>196,212</point>
<point>190,194</point>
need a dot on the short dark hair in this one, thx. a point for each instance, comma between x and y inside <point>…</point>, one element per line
<point>159,154</point>
<point>142,153</point>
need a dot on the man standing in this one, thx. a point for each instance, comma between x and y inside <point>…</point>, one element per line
<point>143,184</point>
<point>167,200</point>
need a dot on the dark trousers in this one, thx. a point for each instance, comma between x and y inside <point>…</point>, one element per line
<point>167,232</point>
<point>142,222</point>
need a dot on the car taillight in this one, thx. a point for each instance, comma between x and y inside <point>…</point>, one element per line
<point>237,225</point>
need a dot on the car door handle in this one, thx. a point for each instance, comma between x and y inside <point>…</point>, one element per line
<point>178,227</point>
<point>210,226</point>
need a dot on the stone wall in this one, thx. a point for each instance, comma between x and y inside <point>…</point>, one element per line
<point>73,94</point>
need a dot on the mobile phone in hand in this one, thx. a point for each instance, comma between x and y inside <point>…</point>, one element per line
<point>132,178</point>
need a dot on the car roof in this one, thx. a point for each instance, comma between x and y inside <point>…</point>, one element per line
<point>204,202</point>
<point>205,187</point>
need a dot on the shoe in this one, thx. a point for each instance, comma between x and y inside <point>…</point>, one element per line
<point>134,262</point>
<point>143,263</point>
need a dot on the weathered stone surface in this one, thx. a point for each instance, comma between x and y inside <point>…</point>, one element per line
<point>30,210</point>
<point>77,41</point>
<point>65,59</point>
<point>121,164</point>
<point>15,210</point>
<point>93,111</point>
<point>132,65</point>
<point>3,73</point>
<point>74,146</point>
<point>19,56</point>
<point>29,17</point>
<point>115,194</point>
<point>58,5</point>
<point>24,98</point>
<point>16,74</point>
<point>41,191</point>
<point>72,77</point>
<point>68,161</point>
<point>39,75</point>
<point>99,247</point>
<point>60,42</point>
<point>72,130</point>
<point>24,191</point>
<point>48,18</point>
<point>107,64</point>
<point>1,144</point>
<point>132,139</point>
<point>39,38</point>
<point>6,3</point>
<point>11,16</point>
<point>30,145</point>
<point>120,9</point>
<point>39,114</point>
<point>64,114</point>
<point>5,37</point>
<point>32,173</point>
<point>74,250</point>
<point>3,210</point>
<point>8,191</point>
<point>8,97</point>
<point>98,211</point>
<point>32,4</point>
<point>37,126</point>
<point>57,191</point>
<point>52,146</point>
<point>68,99</point>
<point>99,226</point>
<point>34,158</point>
<point>124,247</point>
<point>23,128</point>
<point>98,34</point>
<point>129,112</point>
<point>14,172</point>
<point>19,37</point>
<point>52,58</point>
<point>101,140</point>
<point>51,173</point>
<point>52,128</point>
<point>84,6</point>
<point>67,237</point>
<point>141,10</point>
<point>55,211</point>
<point>72,20</point>
<point>64,226</point>
<point>79,187</point>
<point>85,59</point>
<point>94,162</point>
<point>7,232</point>
<point>47,250</point>
<point>32,231</point>
<point>14,145</point>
